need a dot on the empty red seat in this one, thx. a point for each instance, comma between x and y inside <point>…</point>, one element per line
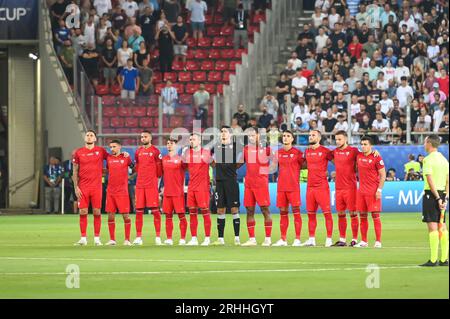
<point>204,42</point>
<point>190,54</point>
<point>214,54</point>
<point>199,76</point>
<point>219,42</point>
<point>227,30</point>
<point>208,19</point>
<point>131,122</point>
<point>154,54</point>
<point>213,31</point>
<point>146,122</point>
<point>214,76</point>
<point>115,89</point>
<point>177,65</point>
<point>218,19</point>
<point>233,64</point>
<point>152,111</point>
<point>201,54</point>
<point>221,65</point>
<point>139,111</point>
<point>124,111</point>
<point>179,87</point>
<point>102,89</point>
<point>110,111</point>
<point>153,100</point>
<point>257,18</point>
<point>210,88</point>
<point>220,88</point>
<point>239,52</point>
<point>226,76</point>
<point>159,87</point>
<point>176,121</point>
<point>191,88</point>
<point>191,42</point>
<point>229,42</point>
<point>172,76</point>
<point>207,65</point>
<point>108,100</point>
<point>184,76</point>
<point>227,54</point>
<point>191,65</point>
<point>106,122</point>
<point>108,130</point>
<point>117,122</point>
<point>185,99</point>
<point>157,77</point>
<point>123,130</point>
<point>252,29</point>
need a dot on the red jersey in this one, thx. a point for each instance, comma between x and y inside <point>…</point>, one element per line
<point>368,167</point>
<point>173,168</point>
<point>345,163</point>
<point>198,167</point>
<point>317,166</point>
<point>289,166</point>
<point>257,160</point>
<point>118,174</point>
<point>355,50</point>
<point>148,167</point>
<point>90,169</point>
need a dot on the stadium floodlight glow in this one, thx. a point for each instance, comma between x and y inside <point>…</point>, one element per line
<point>33,56</point>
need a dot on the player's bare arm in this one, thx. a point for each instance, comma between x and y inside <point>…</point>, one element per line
<point>75,181</point>
<point>382,174</point>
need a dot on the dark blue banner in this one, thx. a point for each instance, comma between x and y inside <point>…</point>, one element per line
<point>18,19</point>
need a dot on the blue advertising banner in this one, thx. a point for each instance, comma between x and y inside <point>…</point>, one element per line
<point>18,19</point>
<point>398,197</point>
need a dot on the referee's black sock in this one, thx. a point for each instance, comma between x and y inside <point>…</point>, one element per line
<point>236,224</point>
<point>221,225</point>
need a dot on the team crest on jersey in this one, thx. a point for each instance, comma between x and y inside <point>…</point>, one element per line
<point>122,161</point>
<point>381,162</point>
<point>151,154</point>
<point>292,155</point>
<point>320,153</point>
<point>96,153</point>
<point>370,161</point>
<point>348,153</point>
<point>160,156</point>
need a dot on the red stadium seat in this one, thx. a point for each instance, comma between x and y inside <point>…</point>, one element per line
<point>226,76</point>
<point>130,141</point>
<point>218,19</point>
<point>108,130</point>
<point>191,42</point>
<point>179,87</point>
<point>210,88</point>
<point>123,130</point>
<point>219,42</point>
<point>204,42</point>
<point>232,66</point>
<point>153,100</point>
<point>214,76</point>
<point>213,31</point>
<point>221,65</point>
<point>201,54</point>
<point>115,89</point>
<point>227,54</point>
<point>131,122</point>
<point>190,54</point>
<point>227,30</point>
<point>185,99</point>
<point>199,76</point>
<point>252,29</point>
<point>154,54</point>
<point>172,76</point>
<point>257,18</point>
<point>157,77</point>
<point>102,89</point>
<point>176,121</point>
<point>207,65</point>
<point>146,122</point>
<point>117,122</point>
<point>220,88</point>
<point>106,121</point>
<point>152,111</point>
<point>124,111</point>
<point>229,42</point>
<point>139,111</point>
<point>208,19</point>
<point>109,111</point>
<point>239,52</point>
<point>108,100</point>
<point>191,88</point>
<point>159,87</point>
<point>184,76</point>
<point>177,65</point>
<point>191,66</point>
<point>214,54</point>
<point>185,110</point>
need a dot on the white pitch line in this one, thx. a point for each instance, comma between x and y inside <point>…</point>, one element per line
<point>187,261</point>
<point>202,272</point>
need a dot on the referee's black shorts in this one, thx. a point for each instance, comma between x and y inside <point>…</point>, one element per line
<point>227,194</point>
<point>430,207</point>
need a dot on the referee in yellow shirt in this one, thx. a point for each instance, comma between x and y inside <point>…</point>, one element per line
<point>435,171</point>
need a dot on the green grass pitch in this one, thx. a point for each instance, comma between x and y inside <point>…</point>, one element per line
<point>35,251</point>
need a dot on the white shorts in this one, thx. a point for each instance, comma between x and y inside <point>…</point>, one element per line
<point>168,109</point>
<point>180,49</point>
<point>127,94</point>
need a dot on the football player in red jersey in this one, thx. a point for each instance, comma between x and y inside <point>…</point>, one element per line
<point>290,162</point>
<point>148,166</point>
<point>87,182</point>
<point>257,158</point>
<point>117,198</point>
<point>372,175</point>
<point>318,190</point>
<point>345,187</point>
<point>198,160</point>
<point>173,200</point>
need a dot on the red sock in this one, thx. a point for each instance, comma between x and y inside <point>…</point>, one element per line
<point>193,222</point>
<point>312,224</point>
<point>183,225</point>
<point>297,222</point>
<point>112,229</point>
<point>97,225</point>
<point>207,222</point>
<point>329,224</point>
<point>157,221</point>
<point>169,226</point>
<point>127,223</point>
<point>268,228</point>
<point>377,225</point>
<point>284,224</point>
<point>355,225</point>
<point>364,227</point>
<point>83,225</point>
<point>251,228</point>
<point>139,222</point>
<point>342,225</point>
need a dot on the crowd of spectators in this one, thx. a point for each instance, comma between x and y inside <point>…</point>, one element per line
<point>373,59</point>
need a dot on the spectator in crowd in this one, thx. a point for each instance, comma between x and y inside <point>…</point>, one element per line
<point>240,22</point>
<point>78,41</point>
<point>148,23</point>
<point>172,10</point>
<point>89,59</point>
<point>130,8</point>
<point>135,40</point>
<point>198,10</point>
<point>66,55</point>
<point>119,18</point>
<point>53,174</point>
<point>129,81</point>
<point>341,124</point>
<point>123,55</point>
<point>169,96</point>
<point>391,175</point>
<point>180,47</point>
<point>57,10</point>
<point>141,55</point>
<point>89,32</point>
<point>405,93</point>
<point>412,176</point>
<point>411,165</point>
<point>109,60</point>
<point>146,79</point>
<point>270,103</point>
<point>296,62</point>
<point>397,132</point>
<point>62,34</point>
<point>436,90</point>
<point>201,104</point>
<point>329,122</point>
<point>301,127</point>
<point>443,129</point>
<point>438,116</point>
<point>282,88</point>
<point>241,116</point>
<point>265,118</point>
<point>380,125</point>
<point>165,38</point>
<point>420,127</point>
